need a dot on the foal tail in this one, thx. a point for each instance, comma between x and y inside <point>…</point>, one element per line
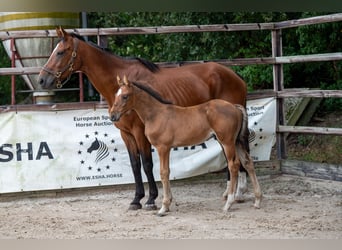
<point>242,144</point>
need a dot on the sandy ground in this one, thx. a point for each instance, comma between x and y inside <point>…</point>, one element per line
<point>292,207</point>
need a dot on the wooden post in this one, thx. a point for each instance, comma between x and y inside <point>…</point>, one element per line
<point>278,85</point>
<point>13,58</point>
<point>102,42</point>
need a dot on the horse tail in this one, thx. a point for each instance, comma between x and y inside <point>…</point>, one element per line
<point>242,143</point>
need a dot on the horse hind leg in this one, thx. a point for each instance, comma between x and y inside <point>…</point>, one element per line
<point>247,162</point>
<point>233,166</point>
<point>241,185</point>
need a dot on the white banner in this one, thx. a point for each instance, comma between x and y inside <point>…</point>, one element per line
<point>81,148</point>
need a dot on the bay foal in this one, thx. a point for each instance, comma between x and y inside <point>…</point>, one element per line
<point>168,125</point>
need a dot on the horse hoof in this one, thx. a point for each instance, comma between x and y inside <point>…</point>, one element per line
<point>240,200</point>
<point>257,205</point>
<point>150,207</point>
<point>135,206</point>
<point>161,214</point>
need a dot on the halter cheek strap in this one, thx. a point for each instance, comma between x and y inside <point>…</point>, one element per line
<point>69,66</point>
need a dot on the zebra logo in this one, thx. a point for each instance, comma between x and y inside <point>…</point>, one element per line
<point>97,152</point>
<point>101,150</point>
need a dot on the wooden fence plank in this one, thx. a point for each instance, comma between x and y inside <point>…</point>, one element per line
<point>309,130</point>
<point>176,29</point>
<point>309,58</point>
<point>308,21</point>
<point>310,93</point>
<point>271,167</point>
<point>312,169</point>
<point>227,62</point>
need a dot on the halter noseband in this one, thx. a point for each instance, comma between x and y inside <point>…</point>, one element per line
<point>69,66</point>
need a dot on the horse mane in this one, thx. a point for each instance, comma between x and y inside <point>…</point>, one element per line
<point>147,64</point>
<point>151,92</point>
<point>73,34</point>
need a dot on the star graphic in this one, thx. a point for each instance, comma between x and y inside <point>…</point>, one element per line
<point>99,170</point>
<point>87,136</point>
<point>112,141</point>
<point>113,159</point>
<point>81,143</point>
<point>89,168</point>
<point>107,167</point>
<point>105,135</point>
<point>79,152</point>
<point>82,161</point>
<point>96,133</point>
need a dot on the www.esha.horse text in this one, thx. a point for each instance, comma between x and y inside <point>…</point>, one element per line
<point>92,121</point>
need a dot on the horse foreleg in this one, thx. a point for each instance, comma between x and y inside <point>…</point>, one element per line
<point>134,158</point>
<point>146,156</point>
<point>164,154</point>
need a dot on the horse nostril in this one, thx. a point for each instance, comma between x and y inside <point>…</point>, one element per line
<point>114,117</point>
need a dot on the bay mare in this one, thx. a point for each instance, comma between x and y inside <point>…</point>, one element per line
<point>168,126</point>
<point>185,86</point>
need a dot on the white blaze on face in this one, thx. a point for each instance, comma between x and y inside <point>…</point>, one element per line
<point>53,53</point>
<point>119,92</point>
<point>55,49</point>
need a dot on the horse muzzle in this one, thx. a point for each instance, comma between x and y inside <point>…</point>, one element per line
<point>46,81</point>
<point>114,117</point>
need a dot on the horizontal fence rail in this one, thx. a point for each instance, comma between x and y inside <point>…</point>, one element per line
<point>228,62</point>
<point>309,130</point>
<point>176,29</point>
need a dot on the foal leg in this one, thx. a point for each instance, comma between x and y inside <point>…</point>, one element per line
<point>164,157</point>
<point>233,165</point>
<point>247,162</point>
<point>241,185</point>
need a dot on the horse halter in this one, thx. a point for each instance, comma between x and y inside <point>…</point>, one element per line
<point>69,66</point>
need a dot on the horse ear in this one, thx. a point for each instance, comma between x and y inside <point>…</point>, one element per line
<point>61,33</point>
<point>120,83</point>
<point>126,82</point>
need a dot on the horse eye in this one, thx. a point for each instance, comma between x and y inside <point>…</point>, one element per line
<point>125,97</point>
<point>60,53</point>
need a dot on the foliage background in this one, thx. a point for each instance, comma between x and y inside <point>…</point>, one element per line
<point>323,38</point>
